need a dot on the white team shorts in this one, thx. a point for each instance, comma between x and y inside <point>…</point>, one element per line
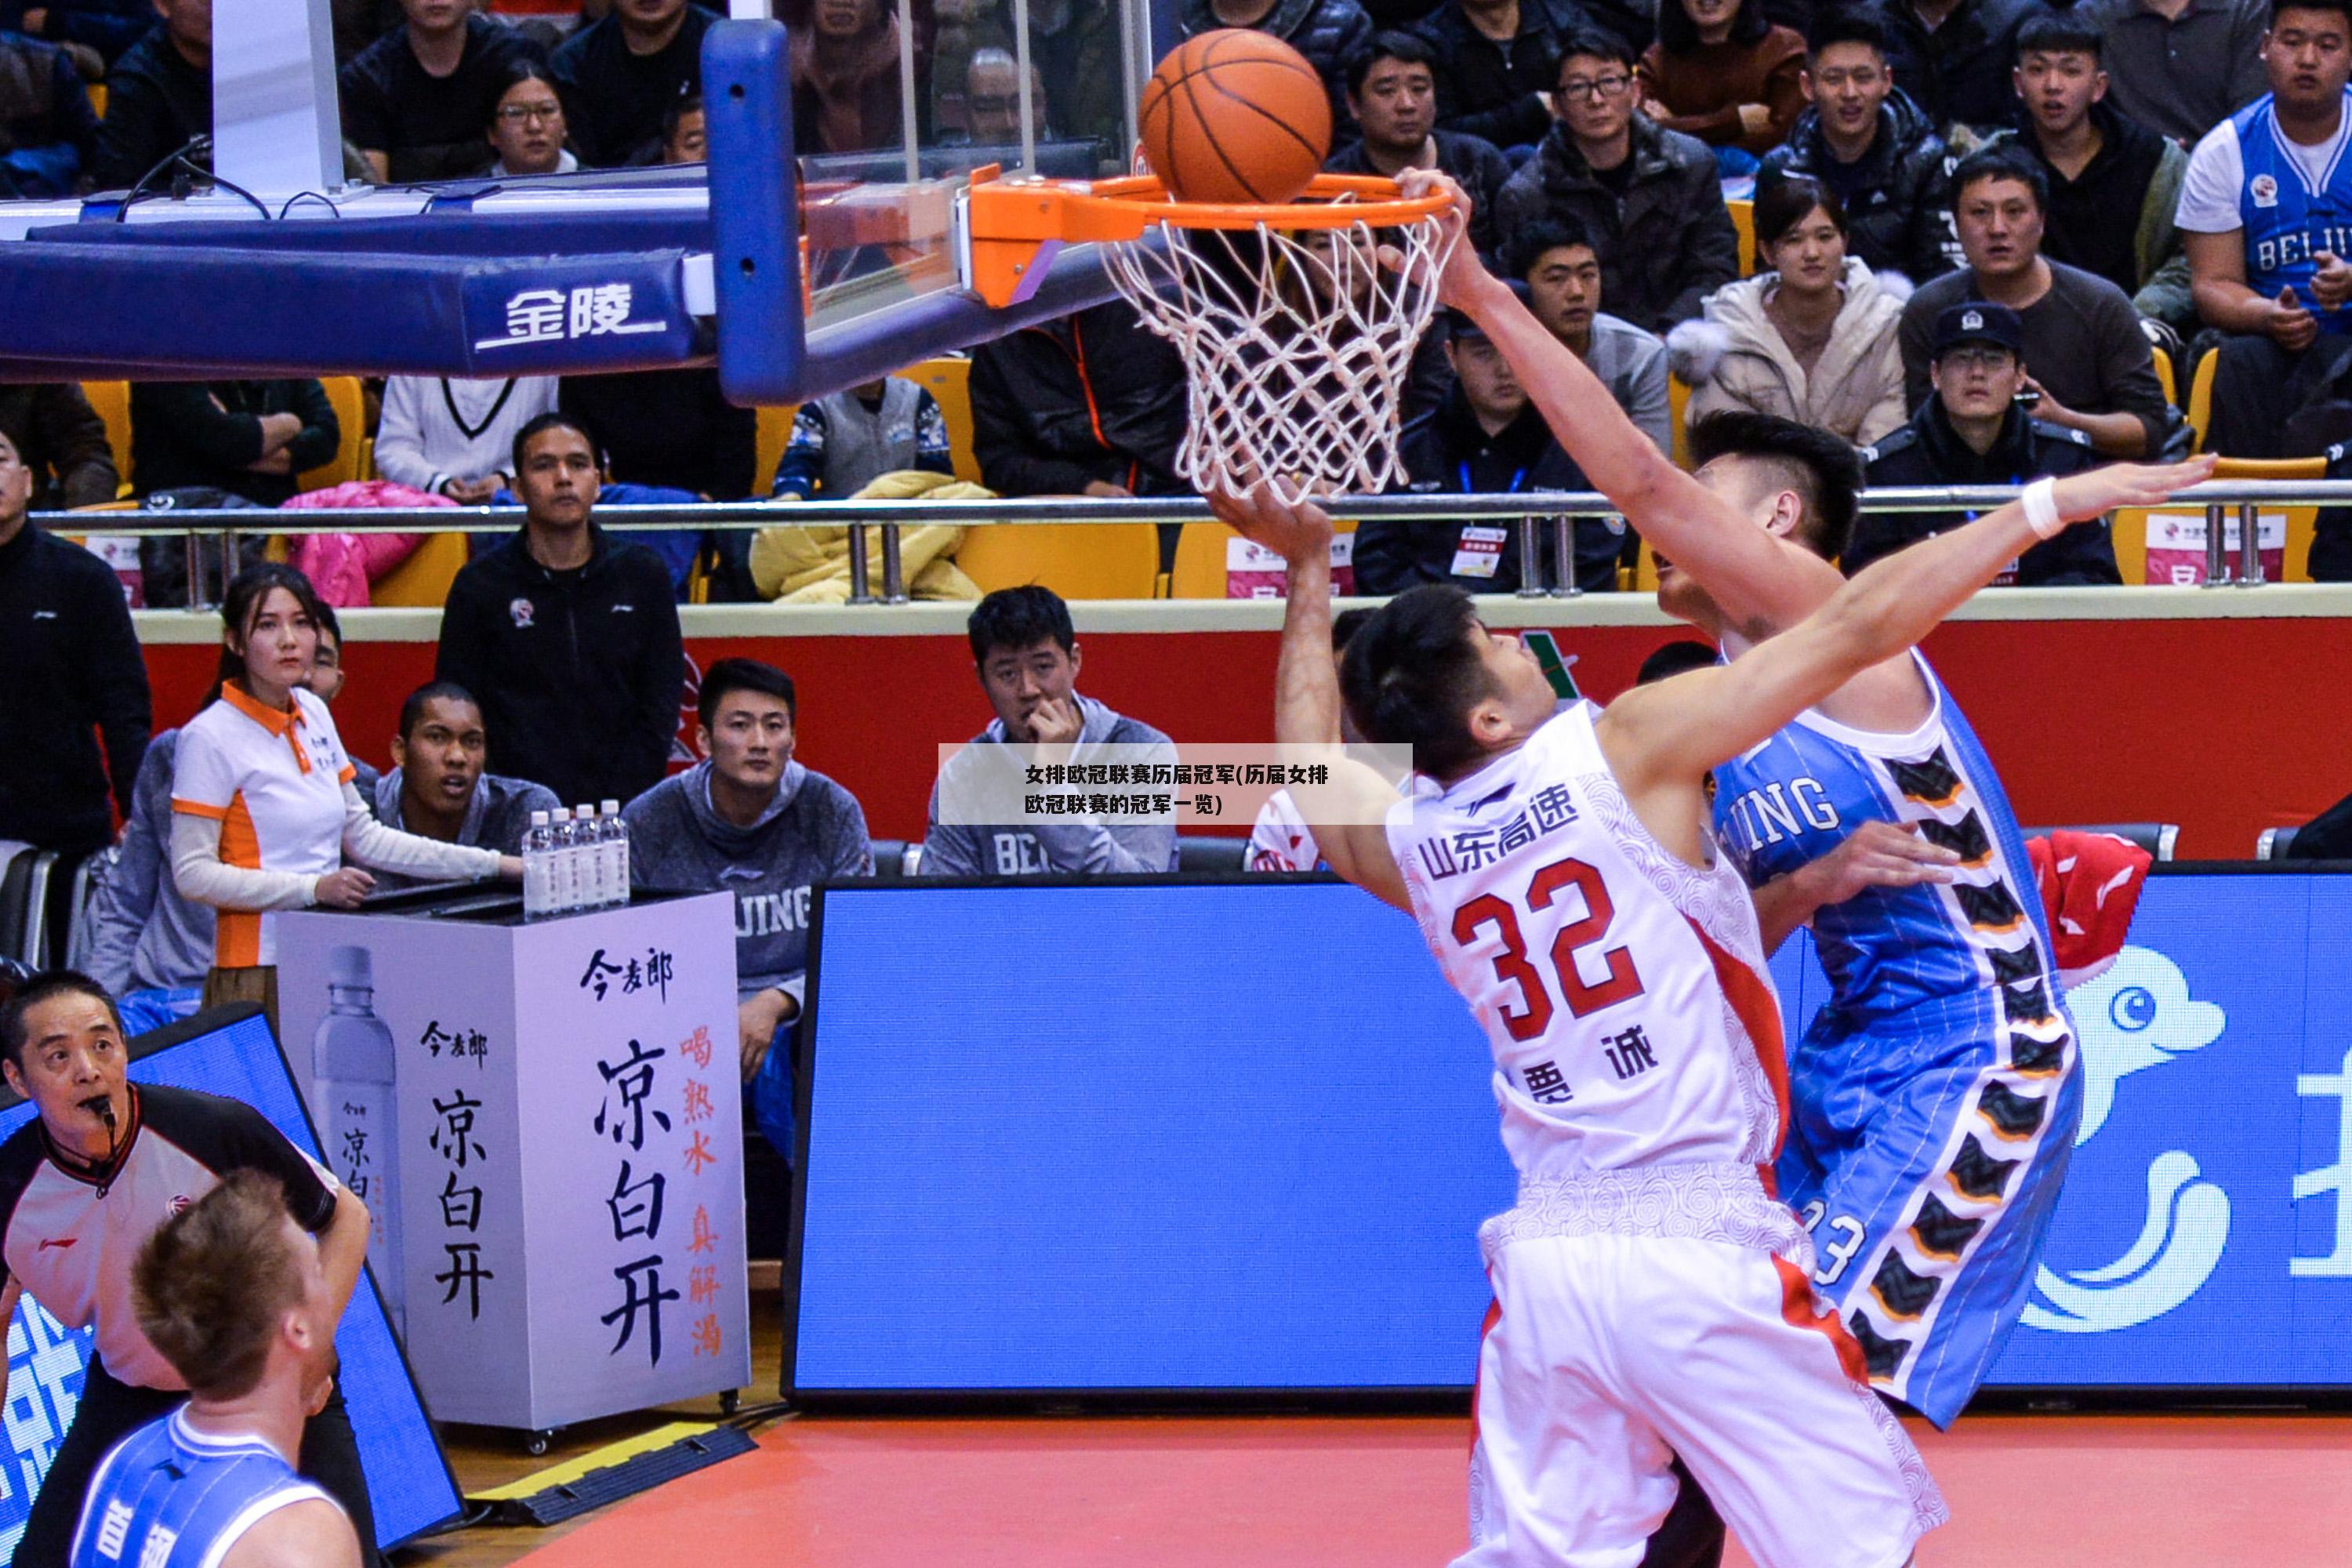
<point>1614,1353</point>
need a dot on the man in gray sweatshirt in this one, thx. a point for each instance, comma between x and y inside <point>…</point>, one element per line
<point>1027,652</point>
<point>752,822</point>
<point>436,786</point>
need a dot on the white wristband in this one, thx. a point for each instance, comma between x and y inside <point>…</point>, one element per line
<point>2040,503</point>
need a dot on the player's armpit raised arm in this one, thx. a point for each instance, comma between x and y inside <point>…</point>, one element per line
<point>1346,813</point>
<point>1761,582</point>
<point>1679,729</point>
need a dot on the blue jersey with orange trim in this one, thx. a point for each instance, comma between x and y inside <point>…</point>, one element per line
<point>171,1497</point>
<point>1972,955</point>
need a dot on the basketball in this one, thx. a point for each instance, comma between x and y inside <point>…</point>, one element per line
<point>1235,116</point>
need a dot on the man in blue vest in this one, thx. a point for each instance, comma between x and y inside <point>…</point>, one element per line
<point>213,1481</point>
<point>2266,217</point>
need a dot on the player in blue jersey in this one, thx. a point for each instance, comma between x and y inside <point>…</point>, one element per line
<point>233,1293</point>
<point>1934,1100</point>
<point>2266,220</point>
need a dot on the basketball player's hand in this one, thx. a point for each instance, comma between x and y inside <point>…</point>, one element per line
<point>2331,283</point>
<point>343,889</point>
<point>1300,532</point>
<point>1877,855</point>
<point>2291,326</point>
<point>1458,281</point>
<point>2081,497</point>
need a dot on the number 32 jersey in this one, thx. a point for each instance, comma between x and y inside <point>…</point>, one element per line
<point>1623,991</point>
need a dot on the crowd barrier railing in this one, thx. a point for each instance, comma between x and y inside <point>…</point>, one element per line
<point>1559,510</point>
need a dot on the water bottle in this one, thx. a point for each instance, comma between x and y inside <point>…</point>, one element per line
<point>538,870</point>
<point>616,853</point>
<point>353,1065</point>
<point>588,874</point>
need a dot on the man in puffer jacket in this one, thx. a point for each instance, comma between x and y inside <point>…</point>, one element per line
<point>1091,403</point>
<point>1865,139</point>
<point>1330,33</point>
<point>1496,91</point>
<point>1665,238</point>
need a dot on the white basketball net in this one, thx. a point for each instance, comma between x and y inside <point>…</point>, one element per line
<point>1296,343</point>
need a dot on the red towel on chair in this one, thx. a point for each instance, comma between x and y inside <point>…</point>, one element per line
<point>2090,885</point>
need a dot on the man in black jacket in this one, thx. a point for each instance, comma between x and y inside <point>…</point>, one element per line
<point>619,75</point>
<point>1092,405</point>
<point>1497,65</point>
<point>1487,437</point>
<point>61,438</point>
<point>1953,58</point>
<point>1974,432</point>
<point>1865,139</point>
<point>1392,93</point>
<point>1330,33</point>
<point>159,95</point>
<point>567,639</point>
<point>1650,196</point>
<point>250,438</point>
<point>415,101</point>
<point>73,667</point>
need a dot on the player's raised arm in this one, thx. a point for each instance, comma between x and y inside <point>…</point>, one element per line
<point>1761,582</point>
<point>1346,815</point>
<point>1677,730</point>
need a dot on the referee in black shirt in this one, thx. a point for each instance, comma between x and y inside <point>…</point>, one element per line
<point>82,1188</point>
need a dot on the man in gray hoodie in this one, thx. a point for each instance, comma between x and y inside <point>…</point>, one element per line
<point>1027,654</point>
<point>752,822</point>
<point>436,786</point>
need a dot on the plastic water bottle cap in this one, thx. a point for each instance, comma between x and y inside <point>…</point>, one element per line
<point>351,967</point>
<point>612,808</point>
<point>538,819</point>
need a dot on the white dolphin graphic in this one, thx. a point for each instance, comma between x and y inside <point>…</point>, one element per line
<point>2134,1016</point>
<point>2137,1014</point>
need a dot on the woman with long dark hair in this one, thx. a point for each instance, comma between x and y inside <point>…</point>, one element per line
<point>264,813</point>
<point>1810,339</point>
<point>1722,72</point>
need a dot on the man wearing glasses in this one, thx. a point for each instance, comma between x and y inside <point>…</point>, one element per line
<point>1649,195</point>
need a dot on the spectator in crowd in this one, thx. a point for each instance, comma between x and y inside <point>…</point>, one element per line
<point>1497,64</point>
<point>415,101</point>
<point>673,430</point>
<point>1722,72</point>
<point>842,442</point>
<point>60,437</point>
<point>527,129</point>
<point>568,638</point>
<point>1330,33</point>
<point>1487,439</point>
<point>1027,655</point>
<point>1392,93</point>
<point>74,675</point>
<point>264,810</point>
<point>1812,338</point>
<point>619,75</point>
<point>2259,206</point>
<point>1953,56</point>
<point>48,133</point>
<point>247,438</point>
<point>1336,258</point>
<point>130,1168</point>
<point>103,27</point>
<point>1973,432</point>
<point>159,95</point>
<point>686,135</point>
<point>148,946</point>
<point>993,99</point>
<point>2183,67</point>
<point>1650,197</point>
<point>2090,366</point>
<point>1089,403</point>
<point>1562,270</point>
<point>751,821</point>
<point>2113,184</point>
<point>438,787</point>
<point>1075,48</point>
<point>454,437</point>
<point>1865,139</point>
<point>845,78</point>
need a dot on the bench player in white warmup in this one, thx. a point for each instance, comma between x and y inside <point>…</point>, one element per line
<point>1653,1298</point>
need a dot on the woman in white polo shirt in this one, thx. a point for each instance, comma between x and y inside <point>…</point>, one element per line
<point>264,814</point>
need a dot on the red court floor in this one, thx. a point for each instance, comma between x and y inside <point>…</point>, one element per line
<point>2027,1491</point>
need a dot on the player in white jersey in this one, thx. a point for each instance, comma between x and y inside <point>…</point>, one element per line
<point>1653,1298</point>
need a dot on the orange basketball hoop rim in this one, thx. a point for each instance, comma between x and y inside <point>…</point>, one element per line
<point>1013,225</point>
